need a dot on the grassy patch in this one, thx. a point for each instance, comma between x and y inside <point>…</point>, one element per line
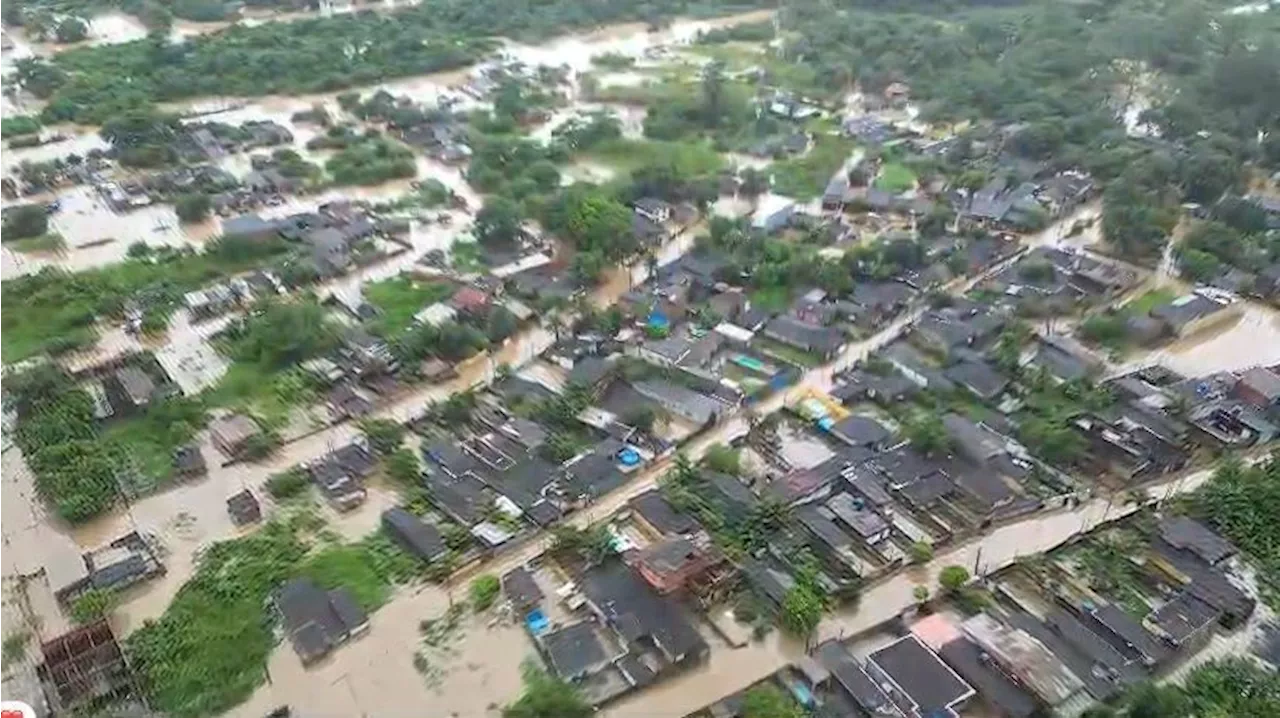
<point>895,177</point>
<point>50,242</point>
<point>399,298</point>
<point>1143,305</point>
<point>805,177</point>
<point>688,158</point>
<point>771,299</point>
<point>269,395</point>
<point>209,650</point>
<point>786,352</point>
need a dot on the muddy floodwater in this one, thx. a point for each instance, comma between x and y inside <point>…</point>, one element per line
<point>1251,339</point>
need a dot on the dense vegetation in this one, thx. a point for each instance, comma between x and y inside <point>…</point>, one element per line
<point>313,55</point>
<point>1236,687</point>
<point>209,650</point>
<point>1243,503</point>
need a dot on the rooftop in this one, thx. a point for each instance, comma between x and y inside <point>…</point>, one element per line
<point>927,684</point>
<point>635,611</point>
<point>574,651</point>
<point>1191,535</point>
<point>661,515</point>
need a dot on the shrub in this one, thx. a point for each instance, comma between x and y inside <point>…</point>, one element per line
<point>93,604</point>
<point>484,591</point>
<point>287,484</point>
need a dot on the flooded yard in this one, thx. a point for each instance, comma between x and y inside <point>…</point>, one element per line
<point>1252,339</point>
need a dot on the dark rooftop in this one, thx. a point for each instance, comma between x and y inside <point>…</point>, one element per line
<point>929,684</point>
<point>1191,535</point>
<point>520,588</point>
<point>636,611</point>
<point>860,431</point>
<point>660,514</point>
<point>418,537</point>
<point>974,666</point>
<point>574,651</point>
<point>1182,617</point>
<point>315,620</point>
<point>855,681</point>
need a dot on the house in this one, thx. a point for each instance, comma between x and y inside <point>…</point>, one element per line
<point>860,517</point>
<point>1062,360</point>
<point>1115,626</point>
<point>856,430</point>
<point>1208,583</point>
<point>329,250</point>
<point>470,300</point>
<point>639,616</point>
<point>243,508</point>
<point>1193,312</point>
<point>654,513</point>
<point>670,565</point>
<point>415,535</point>
<point>916,680</point>
<point>339,475</point>
<point>520,588</point>
<point>647,232</point>
<point>119,564</point>
<point>250,228</point>
<point>78,671</point>
<point>1183,622</point>
<point>833,197</point>
<point>317,621</point>
<point>435,314</point>
<point>231,434</point>
<point>135,386</point>
<point>977,443</point>
<point>1259,386</point>
<point>1019,655</point>
<point>773,212</point>
<point>820,340</point>
<point>575,651</point>
<point>653,209</point>
<point>686,403</point>
<point>828,539</point>
<point>345,401</point>
<point>188,461</point>
<point>981,379</point>
<point>1187,534</point>
<point>866,694</point>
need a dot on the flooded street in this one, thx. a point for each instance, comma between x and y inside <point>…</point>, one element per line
<point>1252,339</point>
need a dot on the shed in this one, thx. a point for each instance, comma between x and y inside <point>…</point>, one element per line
<point>520,588</point>
<point>244,508</point>
<point>231,433</point>
<point>415,535</point>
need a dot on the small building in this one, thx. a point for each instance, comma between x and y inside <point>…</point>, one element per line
<point>654,513</point>
<point>773,213</point>
<point>1022,656</point>
<point>339,475</point>
<point>1191,313</point>
<point>1184,622</point>
<point>249,227</point>
<point>329,250</point>
<point>854,680</point>
<point>1259,386</point>
<point>640,617</point>
<point>243,508</point>
<point>232,433</point>
<point>656,210</point>
<point>520,588</point>
<point>136,387</point>
<point>345,401</point>
<point>317,621</point>
<point>917,680</point>
<point>822,341</point>
<point>82,668</point>
<point>861,518</point>
<point>575,651</point>
<point>119,564</point>
<point>1187,534</point>
<point>188,461</point>
<point>856,430</point>
<point>669,566</point>
<point>413,534</point>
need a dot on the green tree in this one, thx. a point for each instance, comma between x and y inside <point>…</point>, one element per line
<point>713,93</point>
<point>920,552</point>
<point>403,467</point>
<point>72,29</point>
<point>93,604</point>
<point>801,611</point>
<point>768,701</point>
<point>498,221</point>
<point>926,433</point>
<point>546,696</point>
<point>953,578</point>
<point>384,435</point>
<point>722,459</point>
<point>484,591</point>
<point>192,207</point>
<point>920,593</point>
<point>23,221</point>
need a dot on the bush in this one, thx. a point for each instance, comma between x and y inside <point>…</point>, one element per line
<point>93,604</point>
<point>920,552</point>
<point>953,578</point>
<point>21,125</point>
<point>384,435</point>
<point>484,591</point>
<point>288,484</point>
<point>28,220</point>
<point>722,459</point>
<point>192,207</point>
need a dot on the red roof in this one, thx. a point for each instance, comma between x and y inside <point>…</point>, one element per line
<point>469,298</point>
